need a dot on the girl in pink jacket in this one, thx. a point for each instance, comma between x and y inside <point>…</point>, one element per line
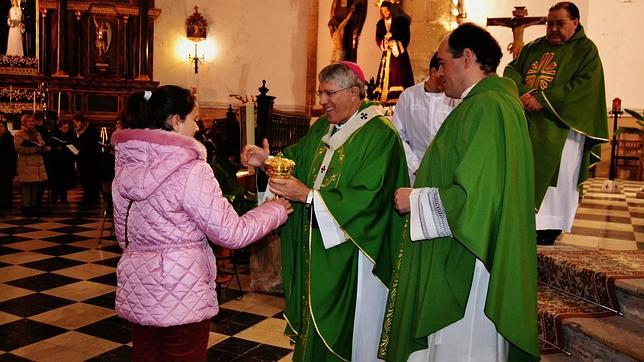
<point>167,203</point>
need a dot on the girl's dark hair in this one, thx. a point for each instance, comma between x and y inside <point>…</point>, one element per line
<point>154,112</point>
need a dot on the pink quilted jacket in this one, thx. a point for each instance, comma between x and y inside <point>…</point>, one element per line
<point>166,275</point>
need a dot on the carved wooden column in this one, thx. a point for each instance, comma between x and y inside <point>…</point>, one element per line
<point>43,64</point>
<point>311,58</point>
<point>127,66</point>
<point>79,45</point>
<point>264,114</point>
<point>143,43</point>
<point>60,39</point>
<point>150,48</point>
<point>265,260</point>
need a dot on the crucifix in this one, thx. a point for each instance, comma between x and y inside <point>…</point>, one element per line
<point>518,22</point>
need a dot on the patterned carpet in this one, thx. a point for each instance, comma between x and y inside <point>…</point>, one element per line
<point>553,307</point>
<point>605,244</point>
<point>57,287</point>
<point>590,274</point>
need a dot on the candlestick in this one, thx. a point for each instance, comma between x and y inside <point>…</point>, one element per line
<point>617,105</point>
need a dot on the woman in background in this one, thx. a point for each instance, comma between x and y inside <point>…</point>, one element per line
<point>31,166</point>
<point>167,204</point>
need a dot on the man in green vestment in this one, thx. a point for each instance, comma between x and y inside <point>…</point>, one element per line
<point>339,243</point>
<point>561,83</point>
<point>465,284</point>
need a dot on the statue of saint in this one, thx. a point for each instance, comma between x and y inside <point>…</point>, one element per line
<point>393,36</point>
<point>103,39</point>
<point>16,29</point>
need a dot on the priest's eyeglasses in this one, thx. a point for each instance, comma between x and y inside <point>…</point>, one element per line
<point>328,94</point>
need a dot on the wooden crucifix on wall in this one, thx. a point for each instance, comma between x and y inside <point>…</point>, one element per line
<point>518,22</point>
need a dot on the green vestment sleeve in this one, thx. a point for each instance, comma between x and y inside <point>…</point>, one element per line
<point>481,163</point>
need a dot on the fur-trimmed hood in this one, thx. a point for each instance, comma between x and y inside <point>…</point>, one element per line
<point>145,158</point>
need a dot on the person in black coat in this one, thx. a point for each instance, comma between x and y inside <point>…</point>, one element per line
<point>45,132</point>
<point>63,175</point>
<point>88,159</point>
<point>8,157</point>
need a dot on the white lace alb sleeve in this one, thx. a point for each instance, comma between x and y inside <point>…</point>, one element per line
<point>427,215</point>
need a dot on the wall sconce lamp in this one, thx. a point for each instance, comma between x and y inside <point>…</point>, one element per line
<point>196,30</point>
<point>196,59</point>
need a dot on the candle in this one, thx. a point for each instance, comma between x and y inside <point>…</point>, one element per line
<point>249,122</point>
<point>34,102</point>
<point>58,114</point>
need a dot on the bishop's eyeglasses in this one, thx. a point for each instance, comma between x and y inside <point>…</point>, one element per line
<point>328,93</point>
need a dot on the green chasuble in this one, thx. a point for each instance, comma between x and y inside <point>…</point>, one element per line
<point>568,81</point>
<point>320,284</point>
<point>481,163</point>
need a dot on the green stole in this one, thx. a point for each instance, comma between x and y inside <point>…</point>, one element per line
<point>481,162</point>
<point>358,191</point>
<point>568,80</point>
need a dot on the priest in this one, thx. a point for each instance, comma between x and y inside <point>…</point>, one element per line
<point>561,83</point>
<point>465,284</point>
<point>338,245</point>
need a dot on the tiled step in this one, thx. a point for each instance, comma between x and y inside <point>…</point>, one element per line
<point>604,339</point>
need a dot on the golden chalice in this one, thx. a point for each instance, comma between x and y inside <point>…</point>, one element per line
<point>279,167</point>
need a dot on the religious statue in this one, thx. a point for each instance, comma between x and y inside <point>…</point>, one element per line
<point>345,25</point>
<point>393,36</point>
<point>103,39</point>
<point>16,29</point>
<point>518,23</point>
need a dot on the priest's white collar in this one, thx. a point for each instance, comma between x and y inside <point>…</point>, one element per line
<point>467,91</point>
<point>340,125</point>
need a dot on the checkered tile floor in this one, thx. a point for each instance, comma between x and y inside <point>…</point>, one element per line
<point>57,286</point>
<point>613,221</point>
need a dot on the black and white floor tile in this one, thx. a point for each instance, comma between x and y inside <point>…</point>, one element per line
<point>57,285</point>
